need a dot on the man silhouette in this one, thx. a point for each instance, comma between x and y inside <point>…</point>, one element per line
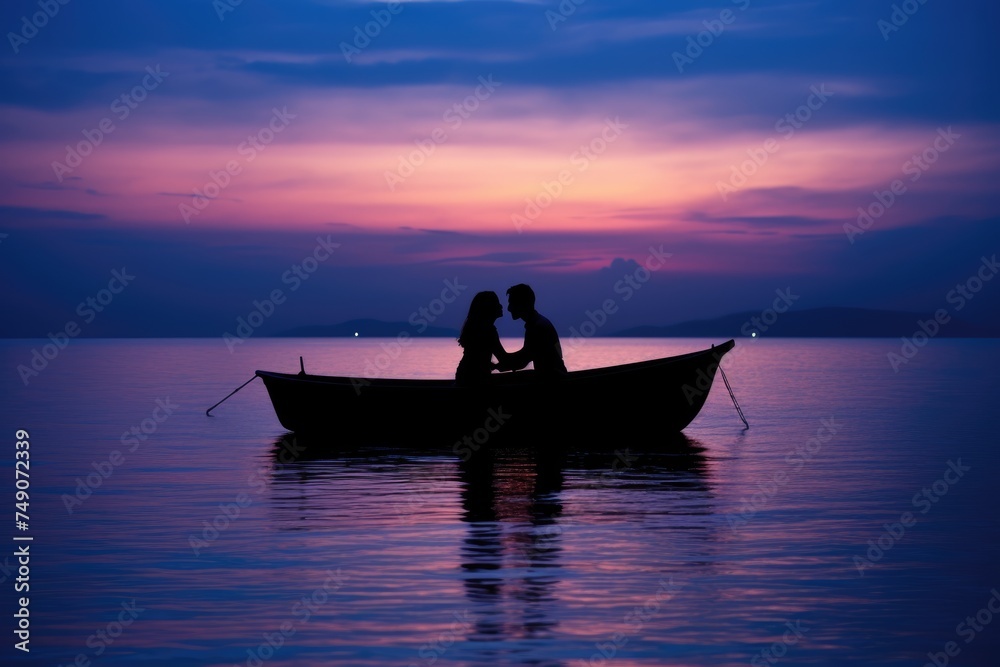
<point>541,342</point>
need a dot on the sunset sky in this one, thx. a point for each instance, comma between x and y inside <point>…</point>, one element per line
<point>205,146</point>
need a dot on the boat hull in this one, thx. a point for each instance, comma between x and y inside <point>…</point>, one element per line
<point>650,398</point>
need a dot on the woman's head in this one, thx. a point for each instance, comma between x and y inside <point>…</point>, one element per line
<point>484,309</point>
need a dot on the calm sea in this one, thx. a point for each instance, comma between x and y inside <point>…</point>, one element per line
<point>855,522</point>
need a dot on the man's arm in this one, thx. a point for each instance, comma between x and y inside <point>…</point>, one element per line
<point>515,361</point>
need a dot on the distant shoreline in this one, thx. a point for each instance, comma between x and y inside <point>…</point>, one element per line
<point>814,323</point>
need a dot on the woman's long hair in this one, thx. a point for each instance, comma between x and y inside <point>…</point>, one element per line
<point>481,311</point>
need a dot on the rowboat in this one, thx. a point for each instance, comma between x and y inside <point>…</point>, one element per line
<point>647,399</point>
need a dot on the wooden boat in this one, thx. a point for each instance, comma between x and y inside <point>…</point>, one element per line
<point>646,399</point>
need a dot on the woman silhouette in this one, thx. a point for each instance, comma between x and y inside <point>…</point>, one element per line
<point>480,340</point>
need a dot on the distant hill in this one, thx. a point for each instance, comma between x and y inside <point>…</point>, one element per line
<point>813,323</point>
<point>367,328</point>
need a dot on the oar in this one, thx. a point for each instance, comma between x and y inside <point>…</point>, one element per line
<point>209,411</point>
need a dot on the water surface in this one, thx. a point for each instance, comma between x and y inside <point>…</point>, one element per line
<point>224,550</point>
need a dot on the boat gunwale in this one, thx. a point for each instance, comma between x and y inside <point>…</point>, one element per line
<point>508,379</point>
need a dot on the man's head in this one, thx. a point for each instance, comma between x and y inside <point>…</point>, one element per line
<point>520,301</point>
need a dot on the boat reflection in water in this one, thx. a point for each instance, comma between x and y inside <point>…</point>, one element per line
<point>540,526</point>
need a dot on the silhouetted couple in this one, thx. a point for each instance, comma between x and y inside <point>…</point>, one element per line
<point>481,341</point>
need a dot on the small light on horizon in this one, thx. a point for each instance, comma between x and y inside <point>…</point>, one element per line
<point>355,334</point>
<point>753,335</point>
